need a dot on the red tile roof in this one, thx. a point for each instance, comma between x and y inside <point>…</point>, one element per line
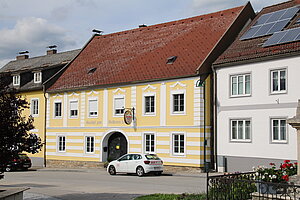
<point>251,50</point>
<point>141,54</point>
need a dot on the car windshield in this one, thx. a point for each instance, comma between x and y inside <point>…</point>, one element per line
<point>152,157</point>
<point>23,156</point>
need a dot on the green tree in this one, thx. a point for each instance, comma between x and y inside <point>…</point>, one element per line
<point>14,127</point>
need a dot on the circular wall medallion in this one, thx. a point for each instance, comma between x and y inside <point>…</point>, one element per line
<point>128,117</point>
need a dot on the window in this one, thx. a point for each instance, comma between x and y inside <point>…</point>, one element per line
<point>16,80</point>
<point>278,130</point>
<point>241,130</point>
<point>93,107</point>
<point>34,107</point>
<point>240,85</point>
<point>149,143</point>
<point>37,77</point>
<point>119,105</point>
<point>89,144</point>
<point>73,109</point>
<point>57,109</point>
<point>278,81</point>
<point>178,144</point>
<point>149,104</point>
<point>178,103</point>
<point>61,143</point>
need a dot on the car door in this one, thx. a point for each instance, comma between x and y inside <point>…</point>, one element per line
<point>122,163</point>
<point>133,163</point>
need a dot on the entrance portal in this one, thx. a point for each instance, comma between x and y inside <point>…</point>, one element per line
<point>117,146</point>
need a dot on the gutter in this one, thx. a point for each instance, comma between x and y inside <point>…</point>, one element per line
<point>45,124</point>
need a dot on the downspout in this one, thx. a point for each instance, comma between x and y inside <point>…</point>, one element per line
<point>215,112</point>
<point>45,123</point>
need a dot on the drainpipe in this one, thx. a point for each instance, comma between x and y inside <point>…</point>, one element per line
<point>215,116</point>
<point>45,124</point>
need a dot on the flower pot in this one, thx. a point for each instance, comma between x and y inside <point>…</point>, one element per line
<point>265,188</point>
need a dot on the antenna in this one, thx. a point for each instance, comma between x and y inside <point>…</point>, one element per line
<point>52,46</point>
<point>97,31</point>
<point>23,52</point>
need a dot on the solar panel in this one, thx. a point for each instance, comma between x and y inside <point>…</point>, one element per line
<point>290,35</point>
<point>270,23</point>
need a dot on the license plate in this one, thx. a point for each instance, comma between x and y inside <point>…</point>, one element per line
<point>156,167</point>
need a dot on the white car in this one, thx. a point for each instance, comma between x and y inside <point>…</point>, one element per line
<point>136,163</point>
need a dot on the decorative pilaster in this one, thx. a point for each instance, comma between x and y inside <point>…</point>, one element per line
<point>295,123</point>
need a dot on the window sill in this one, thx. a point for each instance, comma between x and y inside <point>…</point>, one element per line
<point>281,92</point>
<point>240,141</point>
<point>239,96</point>
<point>279,142</point>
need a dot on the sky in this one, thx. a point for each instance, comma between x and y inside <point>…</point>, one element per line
<point>32,25</point>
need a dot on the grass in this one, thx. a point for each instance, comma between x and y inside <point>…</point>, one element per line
<point>183,196</point>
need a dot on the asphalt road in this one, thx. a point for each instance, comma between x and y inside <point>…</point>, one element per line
<point>93,184</point>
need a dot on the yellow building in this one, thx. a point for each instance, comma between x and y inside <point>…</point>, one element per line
<point>27,75</point>
<point>151,71</point>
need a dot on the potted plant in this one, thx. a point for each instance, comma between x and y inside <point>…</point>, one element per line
<point>267,177</point>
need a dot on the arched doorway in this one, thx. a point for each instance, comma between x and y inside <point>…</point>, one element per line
<point>115,145</point>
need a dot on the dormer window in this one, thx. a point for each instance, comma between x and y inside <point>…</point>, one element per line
<point>37,77</point>
<point>16,80</point>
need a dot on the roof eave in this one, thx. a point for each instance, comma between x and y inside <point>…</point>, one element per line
<point>227,38</point>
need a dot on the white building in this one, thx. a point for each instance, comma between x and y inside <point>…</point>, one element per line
<point>257,90</point>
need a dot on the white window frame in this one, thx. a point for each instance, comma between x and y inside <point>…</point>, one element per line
<point>16,80</point>
<point>173,144</point>
<point>73,117</point>
<point>37,77</point>
<point>34,111</point>
<point>244,94</point>
<point>237,131</point>
<point>149,94</point>
<point>175,92</point>
<point>144,142</point>
<point>114,107</point>
<point>89,107</point>
<point>64,143</point>
<point>54,111</point>
<point>88,151</point>
<point>280,140</point>
<point>271,81</point>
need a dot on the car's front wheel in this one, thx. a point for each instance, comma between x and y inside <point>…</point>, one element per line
<point>140,171</point>
<point>112,170</point>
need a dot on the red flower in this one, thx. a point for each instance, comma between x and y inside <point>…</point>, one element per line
<point>296,163</point>
<point>285,177</point>
<point>272,163</point>
<point>284,165</point>
<point>287,161</point>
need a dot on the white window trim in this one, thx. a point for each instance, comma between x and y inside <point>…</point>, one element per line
<point>116,97</point>
<point>244,84</point>
<point>271,131</point>
<point>244,127</point>
<point>37,74</point>
<point>31,107</point>
<point>85,144</point>
<point>57,117</point>
<point>57,143</point>
<point>73,117</point>
<point>172,102</point>
<point>144,142</point>
<point>173,154</point>
<point>18,77</point>
<point>271,81</point>
<point>147,94</point>
<point>88,110</point>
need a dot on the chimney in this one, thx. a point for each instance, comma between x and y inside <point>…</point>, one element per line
<point>51,51</point>
<point>23,55</point>
<point>142,25</point>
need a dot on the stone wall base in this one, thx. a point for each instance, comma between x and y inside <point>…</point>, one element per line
<point>74,164</point>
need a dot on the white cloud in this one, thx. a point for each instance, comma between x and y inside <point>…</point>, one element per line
<point>32,34</point>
